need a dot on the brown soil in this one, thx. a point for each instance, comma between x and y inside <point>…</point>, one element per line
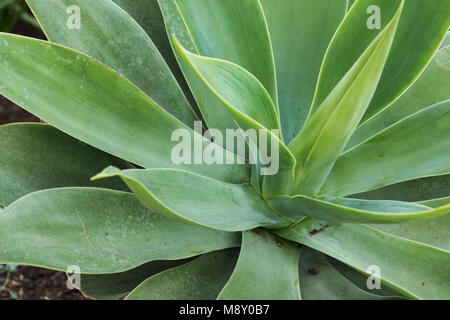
<point>30,283</point>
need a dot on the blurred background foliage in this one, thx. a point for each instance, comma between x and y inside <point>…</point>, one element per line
<point>12,12</point>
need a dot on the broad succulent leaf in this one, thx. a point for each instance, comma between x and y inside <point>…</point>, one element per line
<point>327,132</point>
<point>100,230</point>
<point>431,88</point>
<point>132,53</point>
<point>149,16</point>
<point>228,207</point>
<point>113,286</point>
<point>242,38</point>
<point>99,114</point>
<point>360,247</point>
<point>392,155</point>
<point>267,269</point>
<point>420,32</point>
<point>422,189</point>
<point>300,31</point>
<point>246,102</point>
<point>36,156</point>
<point>433,232</point>
<point>200,279</point>
<point>320,280</point>
<point>353,210</point>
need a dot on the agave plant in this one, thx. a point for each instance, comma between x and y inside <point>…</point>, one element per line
<point>357,208</point>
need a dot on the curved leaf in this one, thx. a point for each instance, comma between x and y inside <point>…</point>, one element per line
<point>433,232</point>
<point>99,230</point>
<point>114,38</point>
<point>242,37</point>
<point>433,86</point>
<point>412,190</point>
<point>234,85</point>
<point>114,286</point>
<point>319,280</point>
<point>267,269</point>
<point>400,152</point>
<point>300,31</point>
<point>352,210</point>
<point>411,268</point>
<point>37,156</point>
<point>435,203</point>
<point>148,14</point>
<point>201,279</point>
<point>326,133</point>
<point>245,103</point>
<point>420,32</point>
<point>84,98</point>
<point>197,199</point>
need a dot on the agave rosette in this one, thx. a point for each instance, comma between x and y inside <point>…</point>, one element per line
<point>364,151</point>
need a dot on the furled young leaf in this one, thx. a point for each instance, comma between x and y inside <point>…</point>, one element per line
<point>319,280</point>
<point>419,34</point>
<point>432,87</point>
<point>267,269</point>
<point>115,39</point>
<point>300,31</point>
<point>201,279</point>
<point>36,156</point>
<point>361,247</point>
<point>113,286</point>
<point>400,152</point>
<point>412,191</point>
<point>221,30</point>
<point>245,102</point>
<point>99,230</point>
<point>82,97</point>
<point>326,133</point>
<point>198,199</point>
<point>352,210</point>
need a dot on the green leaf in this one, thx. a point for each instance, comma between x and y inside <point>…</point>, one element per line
<point>326,133</point>
<point>198,199</point>
<point>361,247</point>
<point>84,98</point>
<point>201,279</point>
<point>362,280</point>
<point>319,280</point>
<point>411,191</point>
<point>99,230</point>
<point>148,14</point>
<point>132,53</point>
<point>37,156</point>
<point>420,32</point>
<point>433,86</point>
<point>300,31</point>
<point>352,210</point>
<point>399,153</point>
<point>206,100</point>
<point>267,269</point>
<point>245,103</point>
<point>434,203</point>
<point>242,37</point>
<point>234,86</point>
<point>114,286</point>
<point>433,232</point>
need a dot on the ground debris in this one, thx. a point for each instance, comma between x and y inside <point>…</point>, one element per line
<point>316,231</point>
